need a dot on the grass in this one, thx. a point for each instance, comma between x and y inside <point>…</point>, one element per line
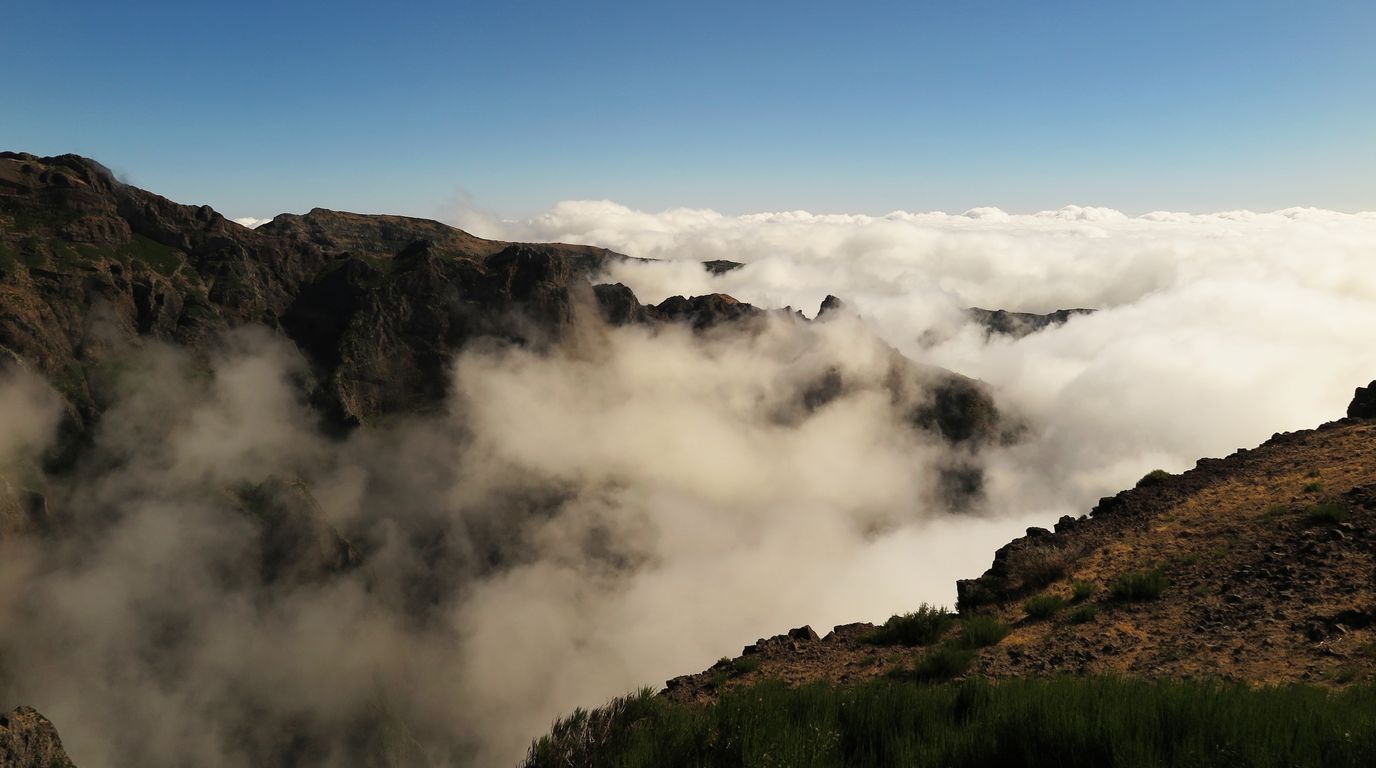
<point>981,632</point>
<point>924,626</point>
<point>1043,606</point>
<point>1314,487</point>
<point>1071,722</point>
<point>1274,512</point>
<point>1326,513</point>
<point>1035,568</point>
<point>1083,614</point>
<point>1081,591</point>
<point>1138,586</point>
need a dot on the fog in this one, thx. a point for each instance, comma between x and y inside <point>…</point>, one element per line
<point>633,504</point>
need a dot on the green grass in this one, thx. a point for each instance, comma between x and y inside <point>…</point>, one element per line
<point>1083,614</point>
<point>924,626</point>
<point>1313,487</point>
<point>1043,606</point>
<point>1274,512</point>
<point>937,665</point>
<point>1138,586</point>
<point>1081,591</point>
<point>746,664</point>
<point>1070,722</point>
<point>981,632</point>
<point>1326,513</point>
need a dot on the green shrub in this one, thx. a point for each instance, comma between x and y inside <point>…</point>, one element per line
<point>981,632</point>
<point>1274,512</point>
<point>1326,513</point>
<point>924,626</point>
<point>1081,591</point>
<point>937,665</point>
<point>1138,586</point>
<point>1043,606</point>
<point>1083,614</point>
<point>1313,487</point>
<point>1154,477</point>
<point>746,664</point>
<point>972,596</point>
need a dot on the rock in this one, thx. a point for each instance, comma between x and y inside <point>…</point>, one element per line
<point>721,266</point>
<point>1363,405</point>
<point>29,740</point>
<point>297,541</point>
<point>1020,324</point>
<point>804,632</point>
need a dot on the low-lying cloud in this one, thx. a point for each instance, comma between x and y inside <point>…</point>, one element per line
<point>636,502</point>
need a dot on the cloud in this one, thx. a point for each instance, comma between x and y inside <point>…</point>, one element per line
<point>250,221</point>
<point>634,504</point>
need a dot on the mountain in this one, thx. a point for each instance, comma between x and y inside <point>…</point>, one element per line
<point>29,740</point>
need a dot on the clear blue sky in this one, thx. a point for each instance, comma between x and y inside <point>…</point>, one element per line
<point>258,108</point>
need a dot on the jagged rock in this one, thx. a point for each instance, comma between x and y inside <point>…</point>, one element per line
<point>29,740</point>
<point>1363,405</point>
<point>1020,324</point>
<point>804,632</point>
<point>721,266</point>
<point>832,307</point>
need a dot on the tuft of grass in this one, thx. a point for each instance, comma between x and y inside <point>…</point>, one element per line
<point>1314,487</point>
<point>1081,591</point>
<point>937,665</point>
<point>1154,477</point>
<point>1075,722</point>
<point>1043,606</point>
<point>1083,614</point>
<point>1138,586</point>
<point>1326,513</point>
<point>981,632</point>
<point>746,664</point>
<point>1274,512</point>
<point>924,626</point>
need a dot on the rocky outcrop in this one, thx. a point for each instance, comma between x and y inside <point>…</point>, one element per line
<point>1020,324</point>
<point>29,740</point>
<point>1363,405</point>
<point>297,542</point>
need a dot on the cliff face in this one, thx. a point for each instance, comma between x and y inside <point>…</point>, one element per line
<point>378,304</point>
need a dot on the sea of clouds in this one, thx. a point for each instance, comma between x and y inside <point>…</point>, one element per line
<point>632,505</point>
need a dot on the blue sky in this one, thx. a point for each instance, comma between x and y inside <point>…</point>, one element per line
<point>743,106</point>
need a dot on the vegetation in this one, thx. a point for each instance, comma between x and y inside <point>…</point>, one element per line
<point>1326,513</point>
<point>924,626</point>
<point>1154,477</point>
<point>1083,614</point>
<point>1138,586</point>
<point>1072,722</point>
<point>1274,512</point>
<point>1043,606</point>
<point>981,632</point>
<point>973,596</point>
<point>1081,591</point>
<point>1314,487</point>
<point>938,665</point>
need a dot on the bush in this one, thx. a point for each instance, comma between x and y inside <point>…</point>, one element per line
<point>973,595</point>
<point>1154,477</point>
<point>1083,614</point>
<point>981,632</point>
<point>1313,487</point>
<point>1326,513</point>
<point>746,664</point>
<point>1081,591</point>
<point>941,664</point>
<point>1274,512</point>
<point>923,627</point>
<point>1138,586</point>
<point>1043,606</point>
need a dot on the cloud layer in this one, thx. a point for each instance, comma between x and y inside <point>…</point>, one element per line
<point>634,504</point>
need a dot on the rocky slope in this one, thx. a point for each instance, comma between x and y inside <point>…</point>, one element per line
<point>1265,562</point>
<point>29,740</point>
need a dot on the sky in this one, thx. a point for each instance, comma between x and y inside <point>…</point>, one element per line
<point>257,108</point>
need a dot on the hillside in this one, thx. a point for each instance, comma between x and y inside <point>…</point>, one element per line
<point>1265,562</point>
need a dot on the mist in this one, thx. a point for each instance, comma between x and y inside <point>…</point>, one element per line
<point>636,502</point>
